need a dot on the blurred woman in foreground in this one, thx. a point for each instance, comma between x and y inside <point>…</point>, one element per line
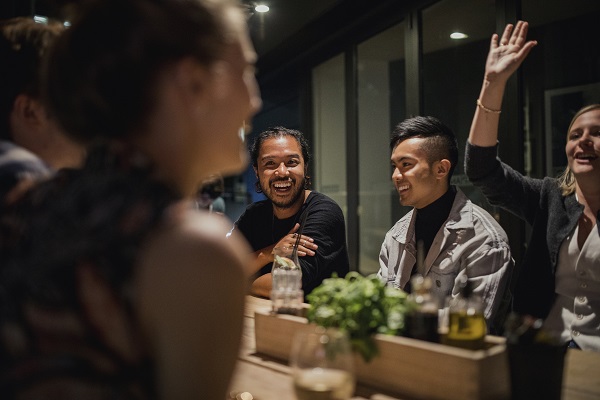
<point>559,278</point>
<point>113,286</point>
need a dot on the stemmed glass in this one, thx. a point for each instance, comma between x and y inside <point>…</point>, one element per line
<point>322,365</point>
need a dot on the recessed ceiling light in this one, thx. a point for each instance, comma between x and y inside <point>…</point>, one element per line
<point>458,35</point>
<point>261,8</point>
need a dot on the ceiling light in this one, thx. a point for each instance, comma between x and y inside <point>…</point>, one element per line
<point>40,19</point>
<point>261,8</point>
<point>458,35</point>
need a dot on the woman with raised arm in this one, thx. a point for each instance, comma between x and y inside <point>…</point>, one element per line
<point>113,286</point>
<point>558,279</point>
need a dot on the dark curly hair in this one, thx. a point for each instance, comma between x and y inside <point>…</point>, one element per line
<point>276,132</point>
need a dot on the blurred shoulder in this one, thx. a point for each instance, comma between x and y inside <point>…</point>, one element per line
<point>21,163</point>
<point>197,238</point>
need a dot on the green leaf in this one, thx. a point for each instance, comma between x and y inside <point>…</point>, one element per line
<point>361,306</point>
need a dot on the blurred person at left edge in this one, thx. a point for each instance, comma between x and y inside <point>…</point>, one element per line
<point>108,288</point>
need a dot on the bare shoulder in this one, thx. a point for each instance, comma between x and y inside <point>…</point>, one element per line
<point>190,284</point>
<point>191,260</point>
<point>197,239</point>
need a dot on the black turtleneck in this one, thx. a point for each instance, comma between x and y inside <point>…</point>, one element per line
<point>431,218</point>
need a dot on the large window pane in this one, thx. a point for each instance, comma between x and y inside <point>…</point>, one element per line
<point>329,114</point>
<point>561,74</point>
<point>452,69</point>
<point>381,105</point>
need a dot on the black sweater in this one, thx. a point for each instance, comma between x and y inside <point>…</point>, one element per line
<point>324,223</point>
<point>540,202</point>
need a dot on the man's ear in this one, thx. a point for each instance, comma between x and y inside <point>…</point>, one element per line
<point>255,171</point>
<point>27,109</point>
<point>27,122</point>
<point>442,168</point>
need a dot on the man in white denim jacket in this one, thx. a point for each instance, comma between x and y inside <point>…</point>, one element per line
<point>459,238</point>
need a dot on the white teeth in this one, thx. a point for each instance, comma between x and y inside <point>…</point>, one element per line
<point>403,187</point>
<point>282,185</point>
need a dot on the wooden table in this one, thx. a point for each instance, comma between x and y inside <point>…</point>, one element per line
<point>269,379</point>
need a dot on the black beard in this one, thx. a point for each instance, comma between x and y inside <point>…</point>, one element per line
<point>298,193</point>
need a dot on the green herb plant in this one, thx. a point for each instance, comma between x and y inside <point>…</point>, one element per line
<point>360,306</point>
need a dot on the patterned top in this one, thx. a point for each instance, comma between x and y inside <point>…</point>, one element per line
<point>68,250</point>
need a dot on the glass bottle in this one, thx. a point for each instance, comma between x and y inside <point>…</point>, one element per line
<point>422,322</point>
<point>466,322</point>
<point>287,295</point>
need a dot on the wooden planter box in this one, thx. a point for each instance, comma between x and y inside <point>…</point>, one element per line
<point>407,367</point>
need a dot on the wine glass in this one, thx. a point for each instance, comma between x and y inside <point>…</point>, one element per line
<point>322,365</point>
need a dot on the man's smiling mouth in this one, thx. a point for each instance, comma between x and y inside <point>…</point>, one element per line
<point>282,185</point>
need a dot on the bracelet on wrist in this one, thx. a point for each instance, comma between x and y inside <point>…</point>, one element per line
<point>487,110</point>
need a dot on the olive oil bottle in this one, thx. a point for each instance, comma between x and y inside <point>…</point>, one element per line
<point>466,323</point>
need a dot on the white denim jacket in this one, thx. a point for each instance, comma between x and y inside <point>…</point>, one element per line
<point>470,240</point>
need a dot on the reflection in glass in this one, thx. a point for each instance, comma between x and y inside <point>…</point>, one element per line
<point>329,111</point>
<point>381,105</point>
<point>452,70</point>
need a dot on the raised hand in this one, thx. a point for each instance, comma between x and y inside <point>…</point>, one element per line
<point>505,57</point>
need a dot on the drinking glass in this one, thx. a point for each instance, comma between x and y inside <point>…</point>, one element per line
<point>322,365</point>
<point>286,293</point>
